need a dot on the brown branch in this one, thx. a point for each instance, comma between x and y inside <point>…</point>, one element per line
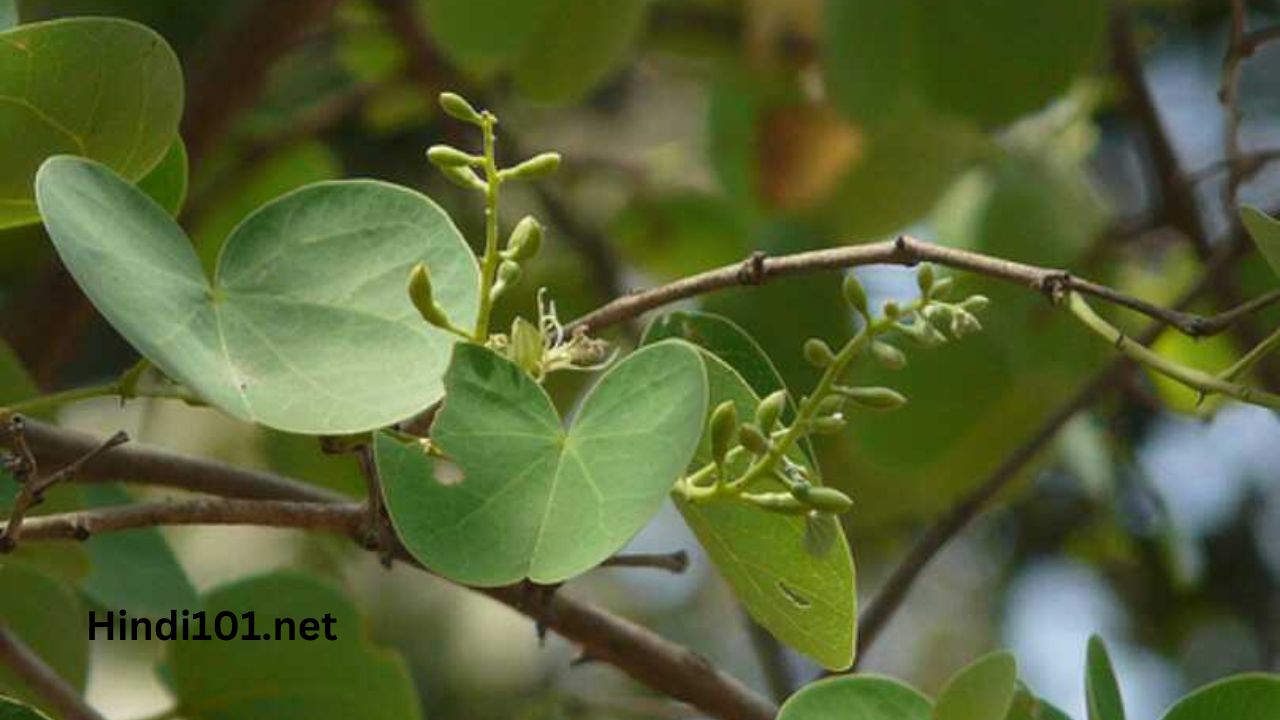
<point>30,668</point>
<point>650,659</point>
<point>905,250</point>
<point>33,487</point>
<point>1257,38</point>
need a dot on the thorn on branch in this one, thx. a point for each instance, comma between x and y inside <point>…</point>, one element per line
<point>1056,285</point>
<point>34,487</point>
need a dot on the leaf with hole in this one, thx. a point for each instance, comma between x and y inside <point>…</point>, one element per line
<point>794,575</point>
<point>283,678</point>
<point>1242,697</point>
<point>1265,231</point>
<point>865,697</point>
<point>536,500</point>
<point>103,88</point>
<point>306,326</point>
<point>981,691</point>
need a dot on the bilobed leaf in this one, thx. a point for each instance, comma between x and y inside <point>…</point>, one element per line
<point>134,570</point>
<point>536,500</point>
<point>864,697</point>
<point>167,181</point>
<point>801,588</point>
<point>283,679</point>
<point>286,171</point>
<point>1243,697</point>
<point>1102,693</point>
<point>1265,231</point>
<point>47,616</point>
<point>11,709</point>
<point>306,326</point>
<point>982,691</point>
<point>103,88</point>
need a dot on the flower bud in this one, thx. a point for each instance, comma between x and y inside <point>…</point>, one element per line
<point>724,421</point>
<point>888,356</point>
<point>423,298</point>
<point>925,278</point>
<point>828,500</point>
<point>892,310</point>
<point>941,288</point>
<point>753,440</point>
<point>963,323</point>
<point>770,409</point>
<point>525,240</point>
<point>876,398</point>
<point>818,353</point>
<point>535,167</point>
<point>854,293</point>
<point>526,346</point>
<point>455,106</point>
<point>975,303</point>
<point>829,425</point>
<point>445,156</point>
<point>830,405</point>
<point>464,177</point>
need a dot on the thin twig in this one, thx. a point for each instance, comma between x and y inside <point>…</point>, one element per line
<point>31,669</point>
<point>378,535</point>
<point>1229,96</point>
<point>34,486</point>
<point>905,250</point>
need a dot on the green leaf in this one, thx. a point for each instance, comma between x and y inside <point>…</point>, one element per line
<point>134,570</point>
<point>307,326</point>
<point>982,691</point>
<point>283,679</point>
<point>48,617</point>
<point>11,709</point>
<point>1243,697</point>
<point>1014,56</point>
<point>283,172</point>
<point>723,338</point>
<point>1265,231</point>
<point>1026,706</point>
<point>536,500</point>
<point>556,50</point>
<point>1102,693</point>
<point>794,575</point>
<point>864,697</point>
<point>900,174</point>
<point>167,181</point>
<point>578,44</point>
<point>103,88</point>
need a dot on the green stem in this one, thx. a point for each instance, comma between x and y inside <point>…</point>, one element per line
<point>1192,378</point>
<point>489,263</point>
<point>53,401</point>
<point>1251,358</point>
<point>56,400</point>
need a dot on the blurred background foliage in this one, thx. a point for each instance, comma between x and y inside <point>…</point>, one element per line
<point>698,131</point>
